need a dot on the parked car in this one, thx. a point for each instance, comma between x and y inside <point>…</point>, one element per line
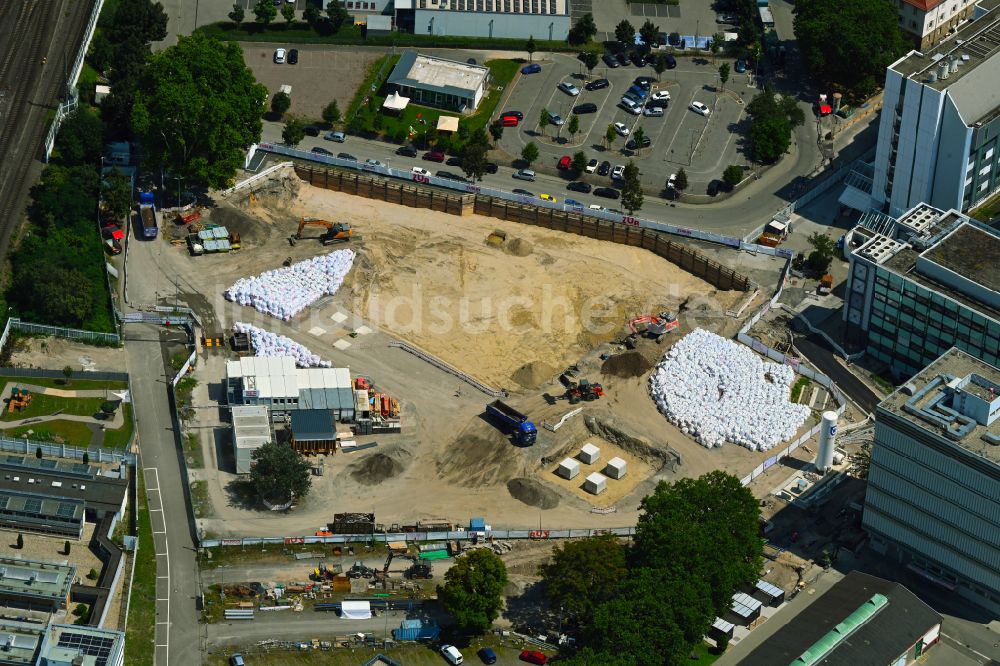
<point>670,61</point>
<point>293,57</point>
<point>237,660</point>
<point>454,161</point>
<point>533,657</point>
<point>713,187</point>
<point>598,84</point>
<point>547,197</point>
<point>643,82</point>
<point>524,174</point>
<point>646,143</point>
<point>630,105</point>
<point>607,192</point>
<point>604,169</point>
<point>340,137</point>
<point>637,92</point>
<point>672,181</point>
<point>533,68</point>
<point>569,88</point>
<point>487,655</point>
<point>515,114</point>
<point>622,58</point>
<point>523,193</point>
<point>618,173</point>
<point>435,155</point>
<point>448,175</point>
<point>312,130</point>
<point>591,166</point>
<point>740,66</point>
<point>491,167</point>
<point>586,107</point>
<point>579,186</point>
<point>374,163</point>
<point>660,96</point>
<point>406,151</point>
<point>347,156</point>
<point>452,654</point>
<point>700,108</point>
<point>574,203</point>
<point>279,56</point>
<point>637,58</point>
<point>610,61</point>
<point>321,151</point>
<point>621,129</point>
<point>674,39</point>
<point>596,207</point>
<point>419,171</point>
<point>556,119</point>
<point>509,121</point>
<point>564,162</point>
<point>653,111</point>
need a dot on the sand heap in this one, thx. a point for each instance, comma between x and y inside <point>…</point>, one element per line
<point>380,466</point>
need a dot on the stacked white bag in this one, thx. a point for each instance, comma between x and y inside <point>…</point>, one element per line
<point>266,343</point>
<point>285,292</point>
<point>718,390</point>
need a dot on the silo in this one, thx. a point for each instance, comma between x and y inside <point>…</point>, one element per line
<point>827,441</point>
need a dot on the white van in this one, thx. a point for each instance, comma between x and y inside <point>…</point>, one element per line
<point>420,171</point>
<point>452,654</point>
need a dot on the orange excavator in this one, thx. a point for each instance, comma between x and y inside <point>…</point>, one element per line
<point>653,326</point>
<point>336,232</point>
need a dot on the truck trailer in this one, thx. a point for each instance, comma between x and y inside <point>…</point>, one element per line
<point>147,213</point>
<point>524,431</point>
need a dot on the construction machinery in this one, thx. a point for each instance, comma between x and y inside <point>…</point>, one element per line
<point>336,232</point>
<point>653,326</point>
<point>583,390</point>
<point>19,400</point>
<point>359,570</point>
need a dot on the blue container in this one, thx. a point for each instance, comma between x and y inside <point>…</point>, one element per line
<point>477,525</point>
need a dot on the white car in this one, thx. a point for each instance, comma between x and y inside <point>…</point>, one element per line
<point>591,166</point>
<point>374,163</point>
<point>652,111</point>
<point>618,172</point>
<point>569,88</point>
<point>700,109</point>
<point>621,129</point>
<point>279,56</point>
<point>595,207</point>
<point>672,181</point>
<point>660,96</point>
<point>419,171</point>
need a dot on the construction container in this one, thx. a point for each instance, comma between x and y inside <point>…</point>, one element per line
<point>616,468</point>
<point>589,454</point>
<point>596,483</point>
<point>435,555</point>
<point>568,468</point>
<point>477,525</point>
<point>416,630</point>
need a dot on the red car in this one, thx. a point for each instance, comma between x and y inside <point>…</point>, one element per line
<point>563,164</point>
<point>534,657</point>
<point>509,121</point>
<point>434,156</point>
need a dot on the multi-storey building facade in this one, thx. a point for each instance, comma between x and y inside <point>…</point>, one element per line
<point>927,22</point>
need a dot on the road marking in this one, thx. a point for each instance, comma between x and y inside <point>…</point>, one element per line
<point>167,577</point>
<point>681,123</point>
<point>962,645</point>
<point>166,555</point>
<point>160,532</point>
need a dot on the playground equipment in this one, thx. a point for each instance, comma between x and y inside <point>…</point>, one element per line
<point>19,400</point>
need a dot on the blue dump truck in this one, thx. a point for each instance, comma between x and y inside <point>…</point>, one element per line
<point>513,421</point>
<point>147,214</point>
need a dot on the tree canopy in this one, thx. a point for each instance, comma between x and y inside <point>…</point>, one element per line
<point>473,590</point>
<point>733,175</point>
<point>81,138</point>
<point>625,32</point>
<point>474,159</point>
<point>824,249</point>
<point>293,132</point>
<point>771,124</point>
<point>847,44</point>
<point>279,473</point>
<point>582,31</point>
<point>584,574</point>
<point>632,189</point>
<point>529,153</point>
<point>197,109</point>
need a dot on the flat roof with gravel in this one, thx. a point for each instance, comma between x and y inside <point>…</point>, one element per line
<point>448,76</point>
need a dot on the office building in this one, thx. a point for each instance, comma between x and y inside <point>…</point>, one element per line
<point>937,141</point>
<point>277,384</point>
<point>510,19</point>
<point>40,586</point>
<point>860,621</point>
<point>251,430</point>
<point>926,22</point>
<point>933,498</point>
<point>438,82</point>
<point>920,284</point>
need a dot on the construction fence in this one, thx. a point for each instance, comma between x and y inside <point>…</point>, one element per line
<point>25,446</point>
<point>39,373</point>
<point>385,190</point>
<point>90,337</point>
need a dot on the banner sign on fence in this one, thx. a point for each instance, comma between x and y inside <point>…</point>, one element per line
<point>290,540</point>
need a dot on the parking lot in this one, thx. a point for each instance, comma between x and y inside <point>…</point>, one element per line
<point>680,138</point>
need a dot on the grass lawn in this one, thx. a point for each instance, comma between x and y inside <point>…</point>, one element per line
<point>193,454</point>
<point>799,386</point>
<point>705,655</point>
<point>987,211</point>
<point>140,638</point>
<point>277,552</point>
<point>75,383</point>
<point>199,499</point>
<point>47,405</point>
<point>379,69</point>
<point>66,432</point>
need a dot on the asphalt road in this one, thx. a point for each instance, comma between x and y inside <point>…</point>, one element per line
<point>814,348</point>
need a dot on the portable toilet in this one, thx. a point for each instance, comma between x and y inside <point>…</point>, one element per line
<point>589,454</point>
<point>568,468</point>
<point>615,468</point>
<point>596,483</point>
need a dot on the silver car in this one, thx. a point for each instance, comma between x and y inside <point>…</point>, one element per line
<point>569,88</point>
<point>556,119</point>
<point>525,174</point>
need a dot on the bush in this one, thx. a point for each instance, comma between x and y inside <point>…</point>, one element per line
<point>733,175</point>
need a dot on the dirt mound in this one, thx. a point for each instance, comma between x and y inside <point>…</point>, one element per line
<point>250,229</point>
<point>377,467</point>
<point>629,364</point>
<point>533,493</point>
<point>519,247</point>
<point>534,374</point>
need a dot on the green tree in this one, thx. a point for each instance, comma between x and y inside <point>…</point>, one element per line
<point>529,46</point>
<point>632,188</point>
<point>574,125</point>
<point>337,15</point>
<point>140,19</point>
<point>578,164</point>
<point>529,153</point>
<point>116,193</point>
<point>590,60</point>
<point>288,13</point>
<point>582,31</point>
<point>583,574</point>
<point>772,121</point>
<point>660,65</point>
<point>733,175</point>
<point>66,547</point>
<point>473,590</point>
<point>609,135</point>
<point>278,473</point>
<point>543,119</point>
<point>92,574</point>
<point>38,453</point>
<point>237,15</point>
<point>681,183</point>
<point>197,109</point>
<point>331,113</point>
<point>281,101</point>
<point>312,14</point>
<point>496,130</point>
<point>86,457</point>
<point>716,44</point>
<point>474,159</point>
<point>293,132</point>
<point>265,12</point>
<point>108,407</point>
<point>703,530</point>
<point>20,538</point>
<point>824,249</point>
<point>723,74</point>
<point>649,33</point>
<point>625,33</point>
<point>67,373</point>
<point>638,136</point>
<point>80,139</point>
<point>847,44</point>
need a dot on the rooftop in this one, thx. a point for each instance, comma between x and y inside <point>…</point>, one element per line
<point>277,377</point>
<point>39,580</point>
<point>972,253</point>
<point>64,642</point>
<point>19,641</point>
<point>251,426</point>
<point>102,493</point>
<point>41,510</point>
<point>821,633</point>
<point>312,425</point>
<point>953,398</point>
<point>956,64</point>
<point>448,76</point>
<point>552,7</point>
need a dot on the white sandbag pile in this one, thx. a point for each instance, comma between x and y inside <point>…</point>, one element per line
<point>266,343</point>
<point>718,390</point>
<point>285,292</point>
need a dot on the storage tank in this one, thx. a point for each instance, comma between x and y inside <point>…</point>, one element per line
<point>827,441</point>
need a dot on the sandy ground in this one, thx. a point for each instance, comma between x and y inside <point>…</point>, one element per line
<point>638,471</point>
<point>57,353</point>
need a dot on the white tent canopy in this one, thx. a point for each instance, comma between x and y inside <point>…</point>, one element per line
<point>395,102</point>
<point>355,610</point>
